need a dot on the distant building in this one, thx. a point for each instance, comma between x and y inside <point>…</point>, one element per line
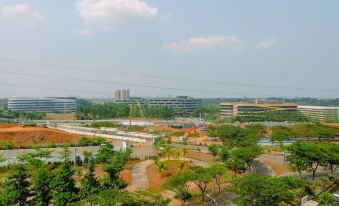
<point>268,101</point>
<point>45,104</point>
<point>121,95</point>
<point>320,113</point>
<point>180,103</point>
<point>232,109</point>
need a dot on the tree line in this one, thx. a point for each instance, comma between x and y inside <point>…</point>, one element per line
<point>238,152</point>
<point>35,182</point>
<point>113,110</point>
<point>304,130</point>
<point>8,114</point>
<point>310,156</point>
<point>272,116</point>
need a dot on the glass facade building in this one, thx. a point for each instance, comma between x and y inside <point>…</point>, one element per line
<point>45,104</point>
<point>180,103</point>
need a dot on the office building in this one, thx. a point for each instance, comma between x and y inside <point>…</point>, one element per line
<point>240,109</point>
<point>320,113</point>
<point>45,104</point>
<point>121,95</point>
<point>180,103</point>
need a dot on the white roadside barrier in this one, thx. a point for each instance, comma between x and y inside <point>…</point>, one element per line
<point>109,136</point>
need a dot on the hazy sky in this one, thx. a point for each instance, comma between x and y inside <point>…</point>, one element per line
<point>215,48</point>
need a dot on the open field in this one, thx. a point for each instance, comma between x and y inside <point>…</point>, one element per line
<point>69,116</point>
<point>26,136</point>
<point>208,158</point>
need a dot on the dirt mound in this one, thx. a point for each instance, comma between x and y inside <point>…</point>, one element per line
<point>26,136</point>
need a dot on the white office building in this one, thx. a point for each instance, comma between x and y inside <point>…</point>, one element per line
<point>122,95</point>
<point>320,113</point>
<point>44,104</point>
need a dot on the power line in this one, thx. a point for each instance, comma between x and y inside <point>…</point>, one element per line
<point>45,65</point>
<point>50,88</point>
<point>124,84</point>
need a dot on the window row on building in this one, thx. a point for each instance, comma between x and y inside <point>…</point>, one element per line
<point>45,104</point>
<point>317,113</point>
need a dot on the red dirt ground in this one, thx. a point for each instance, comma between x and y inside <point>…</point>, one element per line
<point>8,125</point>
<point>26,136</point>
<point>156,180</point>
<point>125,174</point>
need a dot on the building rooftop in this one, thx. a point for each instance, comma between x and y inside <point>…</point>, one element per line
<point>316,107</point>
<point>258,105</point>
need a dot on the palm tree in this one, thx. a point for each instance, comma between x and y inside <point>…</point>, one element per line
<point>167,151</point>
<point>181,165</point>
<point>184,151</point>
<point>162,167</point>
<point>177,154</point>
<point>156,160</point>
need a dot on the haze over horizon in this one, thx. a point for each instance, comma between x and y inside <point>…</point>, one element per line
<point>89,48</point>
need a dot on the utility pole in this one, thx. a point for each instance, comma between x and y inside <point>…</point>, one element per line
<point>75,155</point>
<point>130,115</point>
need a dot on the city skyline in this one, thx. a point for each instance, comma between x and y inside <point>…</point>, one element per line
<point>90,48</point>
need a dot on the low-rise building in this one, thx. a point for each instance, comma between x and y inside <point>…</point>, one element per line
<point>320,113</point>
<point>44,104</point>
<point>179,103</point>
<point>231,109</point>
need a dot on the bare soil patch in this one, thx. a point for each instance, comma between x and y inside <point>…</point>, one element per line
<point>69,116</point>
<point>26,136</point>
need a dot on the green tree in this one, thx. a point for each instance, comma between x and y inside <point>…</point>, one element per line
<point>181,165</point>
<point>162,167</point>
<point>105,153</point>
<point>88,157</point>
<point>63,187</point>
<point>311,154</point>
<point>167,151</point>
<point>331,155</point>
<point>89,185</point>
<point>40,175</point>
<point>247,154</point>
<point>214,149</point>
<point>179,184</point>
<point>201,177</point>
<point>230,135</point>
<point>113,168</point>
<point>109,197</point>
<point>184,151</point>
<point>257,190</point>
<point>65,153</point>
<point>280,134</point>
<point>327,199</point>
<point>236,165</point>
<point>16,188</point>
<point>224,154</point>
<point>217,171</point>
<point>41,186</point>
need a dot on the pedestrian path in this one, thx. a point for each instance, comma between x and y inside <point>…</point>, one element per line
<point>139,172</point>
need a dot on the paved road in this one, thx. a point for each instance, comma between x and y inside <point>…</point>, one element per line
<point>139,172</point>
<point>263,169</point>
